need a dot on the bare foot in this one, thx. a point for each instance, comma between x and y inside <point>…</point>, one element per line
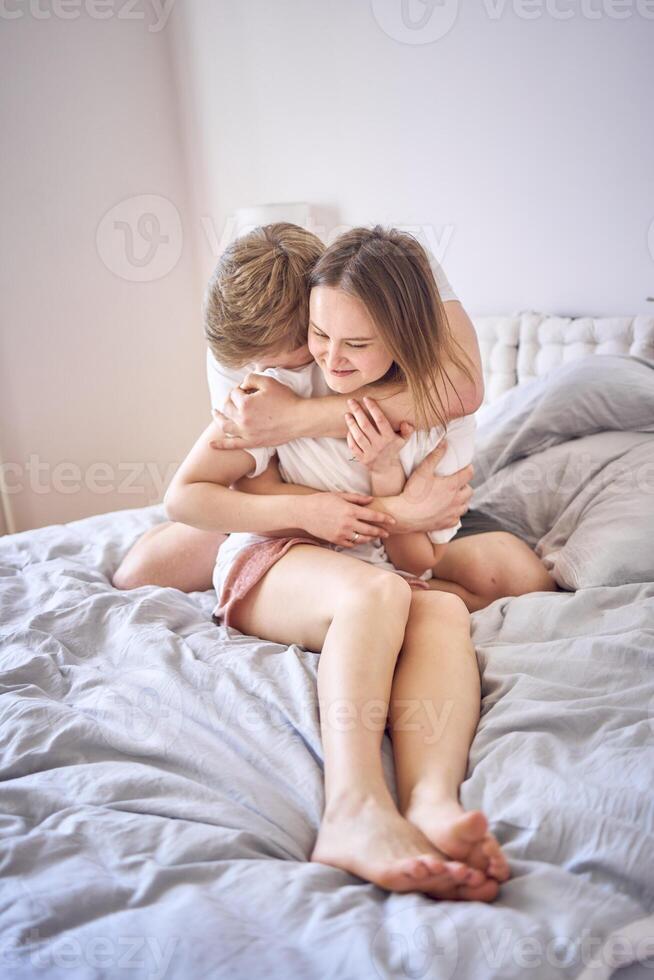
<point>460,835</point>
<point>369,838</point>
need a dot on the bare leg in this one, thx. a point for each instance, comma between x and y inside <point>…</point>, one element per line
<point>171,555</point>
<point>483,567</point>
<point>356,615</point>
<point>434,715</point>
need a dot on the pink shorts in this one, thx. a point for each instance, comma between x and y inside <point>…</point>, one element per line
<point>252,563</point>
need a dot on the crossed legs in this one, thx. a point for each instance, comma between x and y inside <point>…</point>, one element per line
<point>362,619</point>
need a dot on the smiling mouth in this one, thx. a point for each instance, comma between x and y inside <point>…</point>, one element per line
<point>350,371</point>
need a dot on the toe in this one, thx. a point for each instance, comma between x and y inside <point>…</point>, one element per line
<point>458,871</point>
<point>435,864</point>
<point>499,869</point>
<point>498,866</point>
<point>419,868</point>
<point>485,892</point>
<point>475,877</point>
<point>441,886</point>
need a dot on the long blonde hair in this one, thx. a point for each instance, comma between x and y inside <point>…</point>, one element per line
<point>389,272</point>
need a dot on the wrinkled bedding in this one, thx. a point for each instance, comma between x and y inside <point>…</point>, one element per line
<point>161,780</point>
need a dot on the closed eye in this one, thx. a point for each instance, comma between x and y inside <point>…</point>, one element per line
<point>323,336</point>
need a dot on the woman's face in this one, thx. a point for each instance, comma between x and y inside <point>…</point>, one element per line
<point>344,340</point>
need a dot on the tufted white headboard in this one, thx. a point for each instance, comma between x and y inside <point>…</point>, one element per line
<point>517,349</point>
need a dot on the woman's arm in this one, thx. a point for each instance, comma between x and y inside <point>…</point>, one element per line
<point>376,445</point>
<point>269,414</point>
<point>200,495</point>
<point>413,552</point>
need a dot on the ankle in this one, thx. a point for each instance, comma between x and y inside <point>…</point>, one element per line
<point>348,801</point>
<point>431,797</point>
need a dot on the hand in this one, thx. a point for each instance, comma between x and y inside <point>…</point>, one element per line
<point>372,440</point>
<point>260,412</point>
<point>336,517</point>
<point>430,502</point>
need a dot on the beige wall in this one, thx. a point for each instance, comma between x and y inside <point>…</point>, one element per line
<point>101,377</point>
<point>515,146</point>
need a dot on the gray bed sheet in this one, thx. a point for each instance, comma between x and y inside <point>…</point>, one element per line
<point>161,788</point>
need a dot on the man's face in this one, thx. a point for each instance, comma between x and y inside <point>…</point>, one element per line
<point>283,359</point>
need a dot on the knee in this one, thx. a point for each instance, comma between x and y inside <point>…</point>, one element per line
<point>443,606</point>
<point>388,593</point>
<point>131,574</point>
<point>512,568</point>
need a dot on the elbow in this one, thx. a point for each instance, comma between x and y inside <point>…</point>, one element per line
<point>476,398</point>
<point>470,399</point>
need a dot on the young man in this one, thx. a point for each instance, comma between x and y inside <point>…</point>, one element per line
<point>256,316</point>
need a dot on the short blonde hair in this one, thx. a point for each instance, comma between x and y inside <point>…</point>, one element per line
<point>258,296</point>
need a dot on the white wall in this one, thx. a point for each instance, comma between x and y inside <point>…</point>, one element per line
<point>94,368</point>
<point>523,147</point>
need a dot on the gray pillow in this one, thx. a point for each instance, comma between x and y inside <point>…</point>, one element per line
<point>585,505</point>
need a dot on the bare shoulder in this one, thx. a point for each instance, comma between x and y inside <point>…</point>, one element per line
<point>464,333</point>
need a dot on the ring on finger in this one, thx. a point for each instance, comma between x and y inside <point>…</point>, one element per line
<point>355,537</point>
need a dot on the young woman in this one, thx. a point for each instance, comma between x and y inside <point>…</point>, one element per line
<point>389,646</point>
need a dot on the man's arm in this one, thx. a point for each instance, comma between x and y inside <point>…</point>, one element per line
<point>428,501</point>
<point>263,412</point>
<point>325,416</point>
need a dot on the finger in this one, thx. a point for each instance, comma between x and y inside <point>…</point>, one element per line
<point>374,516</point>
<point>226,424</point>
<point>347,542</point>
<point>357,454</point>
<point>358,498</point>
<point>363,420</point>
<point>233,443</point>
<point>433,457</point>
<point>368,531</point>
<point>353,444</point>
<point>238,397</point>
<point>357,433</point>
<point>464,475</point>
<point>381,421</point>
<point>252,382</point>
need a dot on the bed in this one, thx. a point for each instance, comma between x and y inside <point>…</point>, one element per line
<point>161,776</point>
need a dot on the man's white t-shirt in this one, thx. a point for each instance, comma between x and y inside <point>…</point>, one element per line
<point>325,464</point>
